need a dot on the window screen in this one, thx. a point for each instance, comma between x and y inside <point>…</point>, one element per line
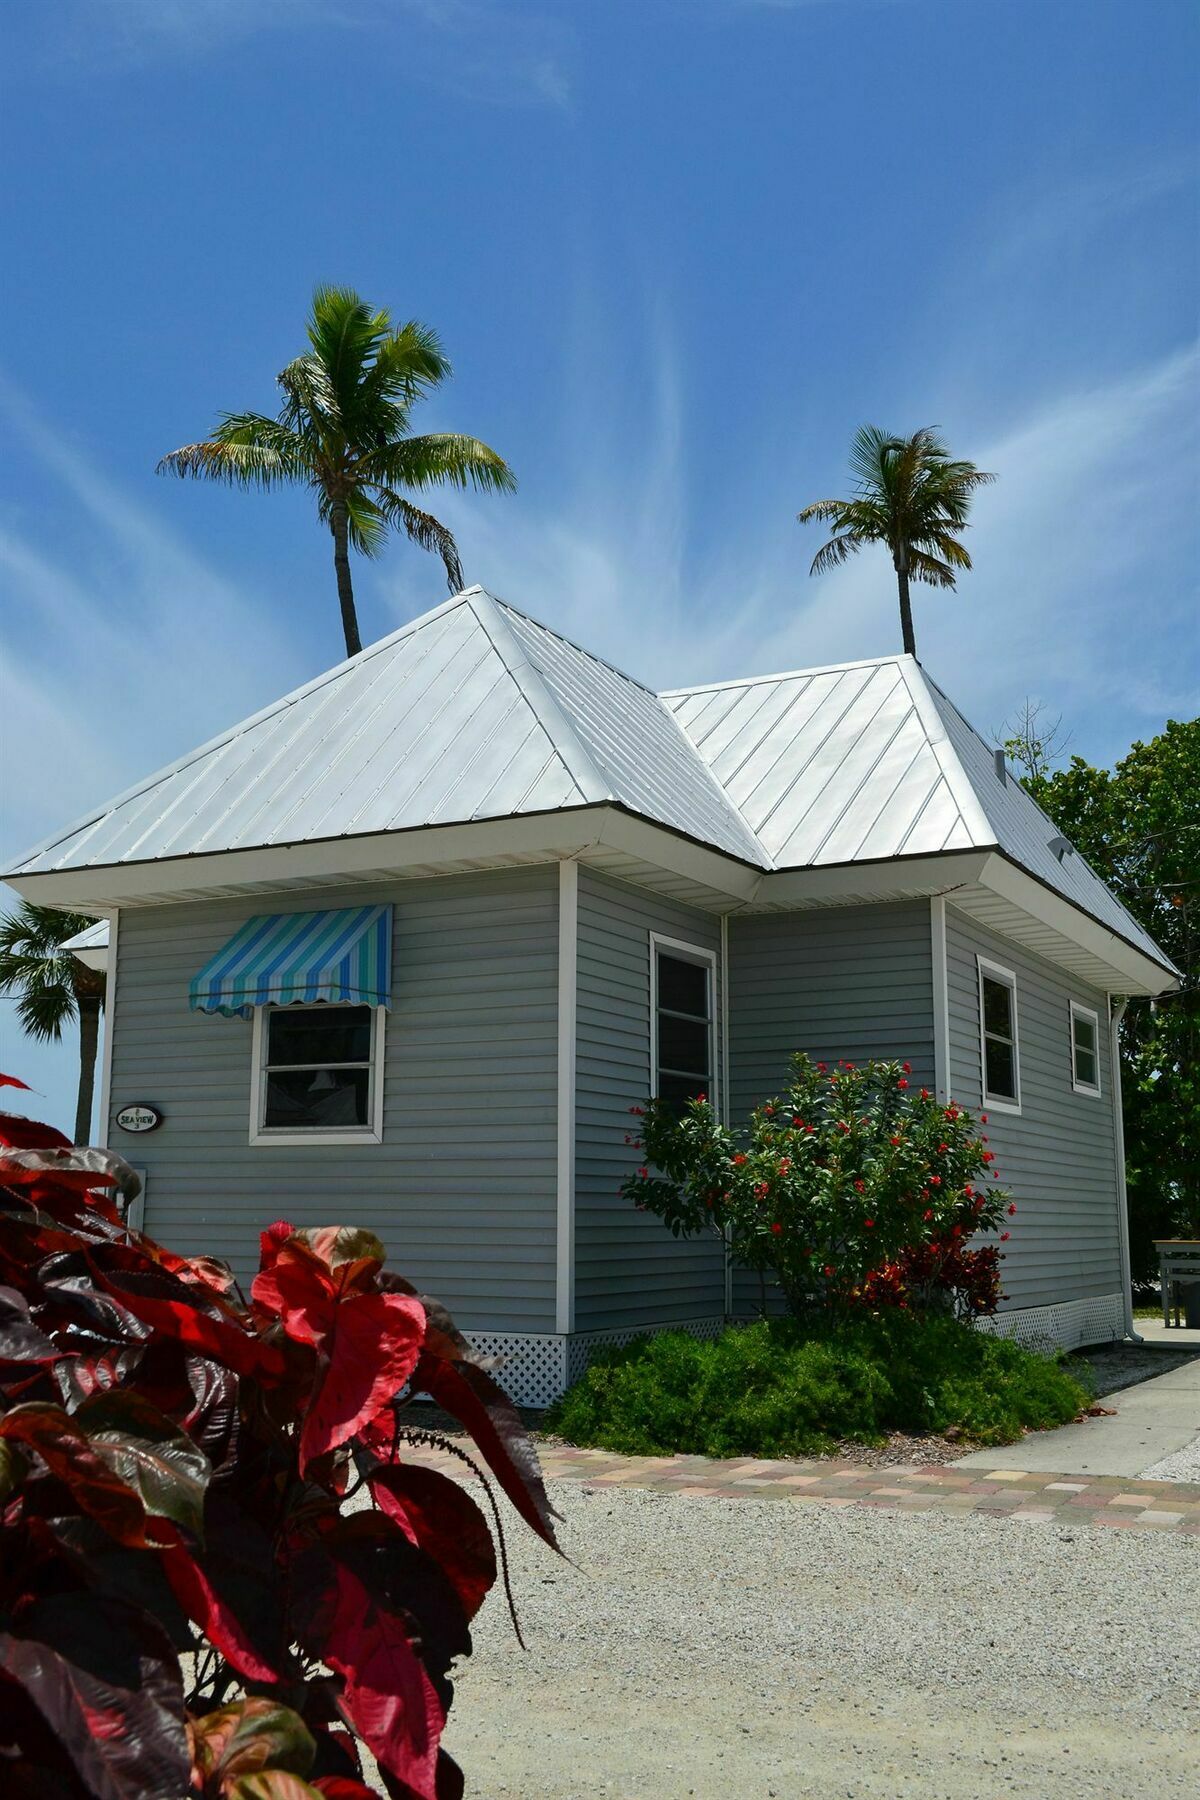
<point>317,1074</point>
<point>683,1020</point>
<point>998,1003</point>
<point>1085,1049</point>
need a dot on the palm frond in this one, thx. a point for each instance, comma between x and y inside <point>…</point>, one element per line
<point>442,458</point>
<point>837,551</point>
<point>929,569</point>
<point>424,530</point>
<point>44,980</point>
<point>245,450</point>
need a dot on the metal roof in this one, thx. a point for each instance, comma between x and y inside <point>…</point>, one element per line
<point>476,711</point>
<point>92,937</point>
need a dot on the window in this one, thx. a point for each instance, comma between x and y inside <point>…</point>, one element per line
<point>317,1074</point>
<point>1085,1049</point>
<point>682,981</point>
<point>998,1037</point>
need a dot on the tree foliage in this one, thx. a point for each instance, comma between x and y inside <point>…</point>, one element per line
<point>344,432</point>
<point>1138,825</point>
<point>191,1601</point>
<point>913,497</point>
<point>847,1188</point>
<point>51,988</point>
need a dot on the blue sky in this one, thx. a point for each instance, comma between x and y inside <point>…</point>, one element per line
<point>677,250</point>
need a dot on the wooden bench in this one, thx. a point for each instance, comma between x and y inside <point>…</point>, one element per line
<point>1178,1267</point>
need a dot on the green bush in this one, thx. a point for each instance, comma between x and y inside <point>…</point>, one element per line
<point>779,1388</point>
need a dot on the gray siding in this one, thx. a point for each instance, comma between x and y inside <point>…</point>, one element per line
<point>847,982</point>
<point>1058,1154</point>
<point>629,1270</point>
<point>462,1189</point>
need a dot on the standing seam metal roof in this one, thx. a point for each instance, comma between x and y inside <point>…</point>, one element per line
<point>476,711</point>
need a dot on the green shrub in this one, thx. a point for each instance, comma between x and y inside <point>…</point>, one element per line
<point>779,1388</point>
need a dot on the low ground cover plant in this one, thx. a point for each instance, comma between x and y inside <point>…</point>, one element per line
<point>177,1467</point>
<point>784,1388</point>
<point>851,1188</point>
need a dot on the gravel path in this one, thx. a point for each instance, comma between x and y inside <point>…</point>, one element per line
<point>739,1649</point>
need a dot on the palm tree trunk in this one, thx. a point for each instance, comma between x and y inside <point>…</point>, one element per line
<point>89,1037</point>
<point>339,525</point>
<point>906,619</point>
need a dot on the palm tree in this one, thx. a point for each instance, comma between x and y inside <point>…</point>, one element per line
<point>52,987</point>
<point>912,497</point>
<point>343,432</point>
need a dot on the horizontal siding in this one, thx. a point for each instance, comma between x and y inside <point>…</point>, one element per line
<point>462,1189</point>
<point>1058,1154</point>
<point>629,1270</point>
<point>847,982</point>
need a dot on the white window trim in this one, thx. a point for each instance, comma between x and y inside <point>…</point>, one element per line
<point>998,972</point>
<point>1078,1011</point>
<point>350,1134</point>
<point>691,953</point>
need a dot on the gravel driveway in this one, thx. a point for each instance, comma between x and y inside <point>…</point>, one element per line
<point>738,1649</point>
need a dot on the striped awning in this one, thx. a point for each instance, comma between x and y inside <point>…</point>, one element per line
<point>277,959</point>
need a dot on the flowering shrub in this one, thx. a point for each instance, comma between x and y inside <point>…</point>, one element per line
<point>851,1187</point>
<point>176,1467</point>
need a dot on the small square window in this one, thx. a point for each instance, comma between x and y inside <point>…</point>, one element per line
<point>999,1053</point>
<point>1085,1049</point>
<point>317,1073</point>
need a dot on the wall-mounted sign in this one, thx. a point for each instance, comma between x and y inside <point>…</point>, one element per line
<point>138,1116</point>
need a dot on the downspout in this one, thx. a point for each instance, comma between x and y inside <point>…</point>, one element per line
<point>1115,1015</point>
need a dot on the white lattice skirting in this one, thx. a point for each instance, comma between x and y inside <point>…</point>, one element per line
<point>534,1368</point>
<point>1066,1326</point>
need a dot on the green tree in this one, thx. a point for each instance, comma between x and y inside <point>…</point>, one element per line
<point>343,432</point>
<point>1138,825</point>
<point>51,987</point>
<point>909,495</point>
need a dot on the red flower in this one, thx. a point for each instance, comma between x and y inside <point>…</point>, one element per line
<point>902,1083</point>
<point>740,1158</point>
<point>924,1093</point>
<point>1012,1207</point>
<point>784,1165</point>
<point>842,1125</point>
<point>1004,1236</point>
<point>989,1156</point>
<point>822,1067</point>
<point>799,1123</point>
<point>761,1190</point>
<point>701,1099</point>
<point>637,1111</point>
<point>927,1214</point>
<point>983,1118</point>
<point>777,1228</point>
<point>907,1067</point>
<point>810,1129</point>
<point>769,1110</point>
<point>896,1140</point>
<point>935,1181</point>
<point>870,1224</point>
<point>942,1149</point>
<point>643,1173</point>
<point>829,1269</point>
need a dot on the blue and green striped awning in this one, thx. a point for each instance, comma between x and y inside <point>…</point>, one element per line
<point>277,959</point>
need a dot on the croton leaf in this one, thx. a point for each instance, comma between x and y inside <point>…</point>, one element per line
<point>20,1339</point>
<point>373,1347</point>
<point>195,1316</point>
<point>344,1787</point>
<point>440,1516</point>
<point>470,1395</point>
<point>217,1619</point>
<point>269,1784</point>
<point>12,1081</point>
<point>64,1447</point>
<point>106,1681</point>
<point>253,1734</point>
<point>151,1454</point>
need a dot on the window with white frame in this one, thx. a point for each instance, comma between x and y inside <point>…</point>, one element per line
<point>999,1046</point>
<point>317,1074</point>
<point>1085,1049</point>
<point>682,1014</point>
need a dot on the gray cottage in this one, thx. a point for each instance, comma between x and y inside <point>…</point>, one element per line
<point>405,947</point>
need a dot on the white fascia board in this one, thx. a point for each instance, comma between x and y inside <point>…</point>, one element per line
<point>493,843</point>
<point>893,878</point>
<point>1132,971</point>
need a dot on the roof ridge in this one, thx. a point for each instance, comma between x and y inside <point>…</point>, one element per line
<point>971,809</point>
<point>745,681</point>
<point>535,690</point>
<point>582,649</point>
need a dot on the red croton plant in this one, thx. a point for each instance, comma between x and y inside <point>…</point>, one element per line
<point>220,1573</point>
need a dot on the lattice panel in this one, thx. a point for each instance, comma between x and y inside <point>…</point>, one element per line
<point>530,1367</point>
<point>583,1343</point>
<point>1067,1326</point>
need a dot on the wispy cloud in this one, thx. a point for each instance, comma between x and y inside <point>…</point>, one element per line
<point>501,55</point>
<point>124,646</point>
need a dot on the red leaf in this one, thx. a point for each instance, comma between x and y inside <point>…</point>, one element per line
<point>376,1340</point>
<point>64,1448</point>
<point>344,1787</point>
<point>30,1134</point>
<point>217,1621</point>
<point>11,1081</point>
<point>470,1395</point>
<point>193,1316</point>
<point>437,1514</point>
<point>296,1287</point>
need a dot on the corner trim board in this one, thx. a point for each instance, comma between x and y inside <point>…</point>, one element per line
<point>110,1014</point>
<point>568,957</point>
<point>941,997</point>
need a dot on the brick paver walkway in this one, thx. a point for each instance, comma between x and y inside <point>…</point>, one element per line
<point>1041,1499</point>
